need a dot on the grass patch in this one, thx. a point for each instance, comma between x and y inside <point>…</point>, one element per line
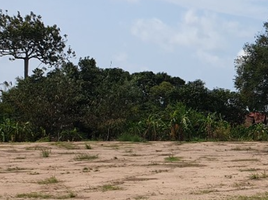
<point>50,180</point>
<point>126,137</point>
<point>20,158</point>
<point>256,176</point>
<point>140,197</point>
<point>109,187</point>
<point>255,197</point>
<point>85,157</point>
<point>204,192</point>
<point>87,146</point>
<point>34,173</point>
<point>15,169</point>
<point>86,169</point>
<point>35,195</point>
<point>45,153</point>
<point>249,170</point>
<point>172,158</point>
<point>246,160</point>
<point>43,139</point>
<point>65,145</point>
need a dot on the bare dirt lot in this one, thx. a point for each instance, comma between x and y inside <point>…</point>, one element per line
<point>126,171</point>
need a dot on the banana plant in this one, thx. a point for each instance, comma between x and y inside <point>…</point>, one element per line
<point>181,126</point>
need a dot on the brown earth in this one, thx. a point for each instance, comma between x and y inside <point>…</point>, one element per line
<point>126,171</point>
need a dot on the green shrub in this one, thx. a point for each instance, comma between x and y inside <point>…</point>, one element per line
<point>130,138</point>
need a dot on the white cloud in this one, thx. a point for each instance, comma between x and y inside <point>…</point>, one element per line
<point>205,33</point>
<point>245,8</point>
<point>201,31</point>
<point>122,60</point>
<point>153,30</point>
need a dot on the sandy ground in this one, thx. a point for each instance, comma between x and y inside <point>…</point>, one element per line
<point>126,171</point>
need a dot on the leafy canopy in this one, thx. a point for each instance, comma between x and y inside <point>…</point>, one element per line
<point>27,37</point>
<point>252,73</point>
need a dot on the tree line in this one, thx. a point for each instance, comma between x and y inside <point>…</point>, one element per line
<point>75,102</point>
<point>86,102</point>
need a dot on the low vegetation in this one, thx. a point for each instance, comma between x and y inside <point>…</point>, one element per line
<point>110,187</point>
<point>50,180</point>
<point>36,195</point>
<point>45,153</point>
<point>84,156</point>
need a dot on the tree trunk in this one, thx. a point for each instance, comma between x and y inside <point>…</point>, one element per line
<point>26,67</point>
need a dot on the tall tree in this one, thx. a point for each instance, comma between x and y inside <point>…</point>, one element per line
<point>252,73</point>
<point>28,37</point>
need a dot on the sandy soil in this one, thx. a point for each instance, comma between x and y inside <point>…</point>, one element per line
<point>126,171</point>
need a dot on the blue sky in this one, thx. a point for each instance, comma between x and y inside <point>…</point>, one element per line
<point>191,39</point>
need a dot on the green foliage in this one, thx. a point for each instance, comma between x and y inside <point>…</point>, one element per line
<point>80,102</point>
<point>258,132</point>
<point>13,131</point>
<point>45,153</point>
<point>172,158</point>
<point>87,146</point>
<point>181,123</point>
<point>50,180</point>
<point>28,37</point>
<point>251,68</point>
<point>130,138</point>
<point>81,157</point>
<point>49,103</point>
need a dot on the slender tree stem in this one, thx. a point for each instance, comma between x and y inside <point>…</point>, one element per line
<point>26,67</point>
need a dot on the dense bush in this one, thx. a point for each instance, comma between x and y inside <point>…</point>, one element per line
<point>87,102</point>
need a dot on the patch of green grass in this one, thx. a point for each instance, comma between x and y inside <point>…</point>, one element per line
<point>70,195</point>
<point>249,170</point>
<point>50,180</point>
<point>86,169</point>
<point>20,158</point>
<point>172,158</point>
<point>246,160</point>
<point>109,187</point>
<point>126,137</point>
<point>87,146</point>
<point>204,191</point>
<point>255,197</point>
<point>256,176</point>
<point>43,139</point>
<point>15,169</point>
<point>139,197</point>
<point>85,157</point>
<point>45,153</point>
<point>34,173</point>
<point>35,195</point>
<point>66,145</point>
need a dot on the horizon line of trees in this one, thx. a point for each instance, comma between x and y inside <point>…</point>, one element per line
<point>83,101</point>
<point>76,102</point>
